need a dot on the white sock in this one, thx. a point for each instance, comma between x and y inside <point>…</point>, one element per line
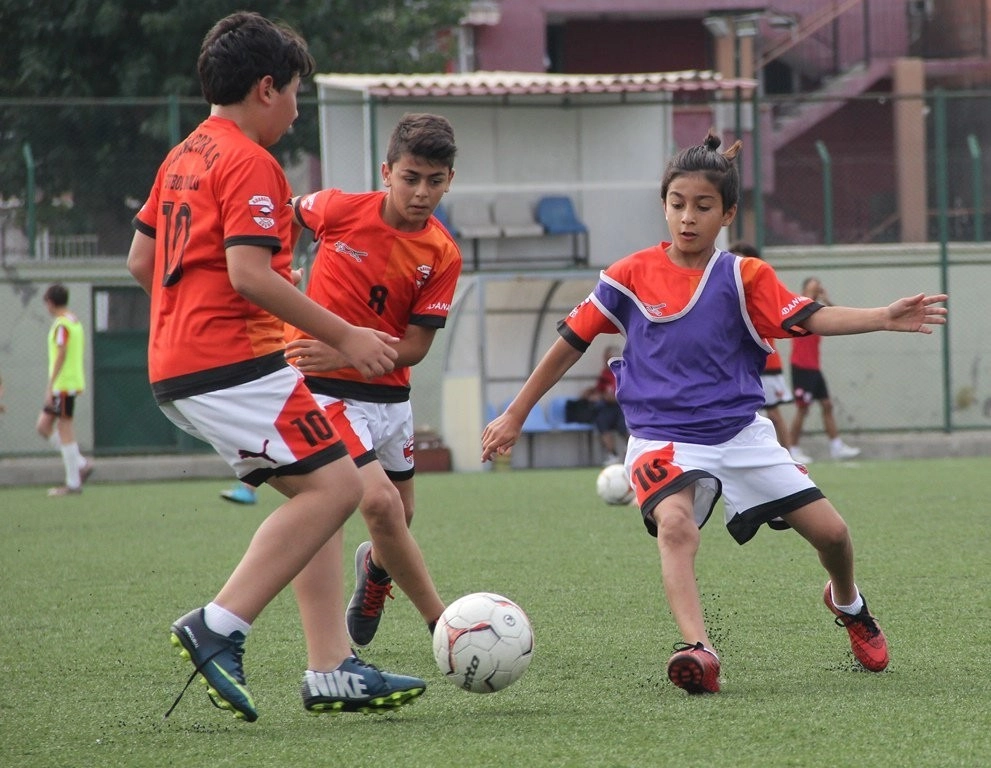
<point>223,622</point>
<point>69,453</point>
<point>854,608</point>
<point>53,438</point>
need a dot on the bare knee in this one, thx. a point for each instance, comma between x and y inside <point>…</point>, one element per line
<point>834,536</point>
<point>676,529</point>
<point>822,526</point>
<point>45,426</point>
<point>382,508</point>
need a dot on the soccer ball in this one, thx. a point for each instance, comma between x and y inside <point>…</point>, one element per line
<point>483,642</point>
<point>613,486</point>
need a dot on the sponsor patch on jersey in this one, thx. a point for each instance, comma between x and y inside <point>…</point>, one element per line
<point>655,310</point>
<point>261,211</point>
<point>341,247</point>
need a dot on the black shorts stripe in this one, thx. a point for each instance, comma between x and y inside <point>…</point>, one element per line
<point>221,377</point>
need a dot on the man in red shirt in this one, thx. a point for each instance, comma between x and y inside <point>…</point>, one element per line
<point>776,390</point>
<point>809,385</point>
<point>608,419</point>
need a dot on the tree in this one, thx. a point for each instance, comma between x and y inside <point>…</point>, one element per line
<point>85,84</point>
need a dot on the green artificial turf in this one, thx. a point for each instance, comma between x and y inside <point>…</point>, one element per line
<point>90,584</point>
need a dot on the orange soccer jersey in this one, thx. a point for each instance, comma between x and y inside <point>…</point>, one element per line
<point>216,189</point>
<point>375,276</point>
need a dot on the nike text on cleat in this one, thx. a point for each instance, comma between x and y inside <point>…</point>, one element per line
<point>866,638</point>
<point>694,668</point>
<point>218,660</point>
<point>358,687</point>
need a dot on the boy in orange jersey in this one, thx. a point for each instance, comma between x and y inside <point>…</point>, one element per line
<point>213,249</point>
<point>384,262</point>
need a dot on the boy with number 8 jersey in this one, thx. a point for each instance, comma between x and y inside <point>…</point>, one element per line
<point>385,262</point>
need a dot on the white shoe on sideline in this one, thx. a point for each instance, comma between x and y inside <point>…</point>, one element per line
<point>844,451</point>
<point>611,458</point>
<point>799,455</point>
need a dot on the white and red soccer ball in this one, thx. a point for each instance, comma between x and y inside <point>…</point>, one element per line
<point>483,642</point>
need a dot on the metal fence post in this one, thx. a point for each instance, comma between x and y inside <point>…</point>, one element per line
<point>942,205</point>
<point>174,127</point>
<point>758,204</point>
<point>827,192</point>
<point>29,211</point>
<point>978,187</point>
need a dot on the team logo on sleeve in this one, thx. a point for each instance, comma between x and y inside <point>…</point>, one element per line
<point>261,211</point>
<point>422,275</point>
<point>574,312</point>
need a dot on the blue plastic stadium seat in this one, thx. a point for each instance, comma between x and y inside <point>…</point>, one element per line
<point>555,415</point>
<point>536,421</point>
<point>556,214</point>
<point>440,212</point>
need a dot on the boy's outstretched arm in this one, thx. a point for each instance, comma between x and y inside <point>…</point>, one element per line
<point>913,314</point>
<point>501,434</point>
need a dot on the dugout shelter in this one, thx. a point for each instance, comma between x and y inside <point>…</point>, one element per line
<point>601,141</point>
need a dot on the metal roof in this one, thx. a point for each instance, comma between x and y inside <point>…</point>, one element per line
<point>527,83</point>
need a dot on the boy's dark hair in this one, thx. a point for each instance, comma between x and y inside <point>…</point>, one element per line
<point>423,135</point>
<point>241,49</point>
<point>57,295</point>
<point>717,167</point>
<point>742,248</point>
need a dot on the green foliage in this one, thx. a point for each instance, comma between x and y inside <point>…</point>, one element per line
<point>92,158</point>
<point>91,583</point>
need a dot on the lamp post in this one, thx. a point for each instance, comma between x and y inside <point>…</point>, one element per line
<point>741,27</point>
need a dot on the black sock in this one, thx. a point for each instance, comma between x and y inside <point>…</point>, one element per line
<point>431,625</point>
<point>377,573</point>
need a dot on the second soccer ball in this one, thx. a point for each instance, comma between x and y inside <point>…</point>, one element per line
<point>613,486</point>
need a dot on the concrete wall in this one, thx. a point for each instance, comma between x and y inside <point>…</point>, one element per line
<point>880,382</point>
<point>24,325</point>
